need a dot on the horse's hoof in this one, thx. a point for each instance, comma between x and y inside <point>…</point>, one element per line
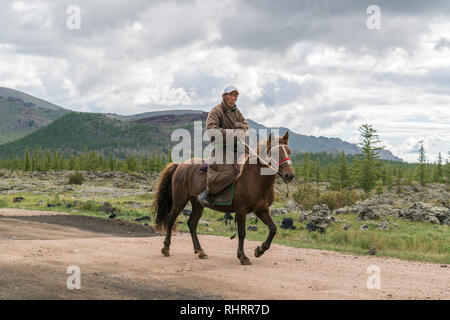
<point>258,252</point>
<point>203,255</point>
<point>245,261</point>
<point>165,252</point>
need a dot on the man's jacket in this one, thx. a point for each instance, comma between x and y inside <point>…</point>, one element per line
<point>221,117</point>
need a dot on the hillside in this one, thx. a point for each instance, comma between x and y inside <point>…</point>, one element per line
<point>75,132</point>
<point>21,114</point>
<point>298,142</point>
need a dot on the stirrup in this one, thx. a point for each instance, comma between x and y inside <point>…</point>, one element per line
<point>202,198</point>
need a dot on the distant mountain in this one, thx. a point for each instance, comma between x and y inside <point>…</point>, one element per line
<point>21,114</point>
<point>152,114</point>
<point>303,143</point>
<point>298,142</point>
<point>26,120</point>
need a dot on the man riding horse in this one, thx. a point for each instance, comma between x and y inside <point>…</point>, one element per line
<point>224,116</point>
<point>181,183</point>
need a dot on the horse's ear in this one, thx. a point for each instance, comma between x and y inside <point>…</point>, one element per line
<point>271,138</point>
<point>285,138</point>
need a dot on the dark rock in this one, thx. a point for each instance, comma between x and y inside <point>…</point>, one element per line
<point>51,205</point>
<point>287,223</point>
<point>144,218</point>
<point>346,226</point>
<point>228,217</point>
<point>108,209</point>
<point>373,250</point>
<point>364,226</point>
<point>186,212</point>
<point>367,213</point>
<point>313,227</point>
<point>383,225</point>
<point>71,205</point>
<point>252,228</point>
<point>18,199</point>
<point>112,216</point>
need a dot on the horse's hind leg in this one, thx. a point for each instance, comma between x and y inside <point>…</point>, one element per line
<point>267,219</point>
<point>174,212</point>
<point>197,211</point>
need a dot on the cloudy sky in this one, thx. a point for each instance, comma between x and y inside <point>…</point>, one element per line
<point>312,66</point>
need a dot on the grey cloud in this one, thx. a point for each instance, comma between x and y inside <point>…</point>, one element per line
<point>205,86</point>
<point>442,44</point>
<point>269,25</point>
<point>283,91</point>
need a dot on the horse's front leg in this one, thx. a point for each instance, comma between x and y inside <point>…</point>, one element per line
<point>241,222</point>
<point>267,219</point>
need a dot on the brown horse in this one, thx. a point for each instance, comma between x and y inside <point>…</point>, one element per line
<point>253,192</point>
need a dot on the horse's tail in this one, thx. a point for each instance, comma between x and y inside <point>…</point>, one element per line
<point>163,201</point>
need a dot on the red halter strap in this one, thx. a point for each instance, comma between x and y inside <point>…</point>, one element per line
<point>283,161</point>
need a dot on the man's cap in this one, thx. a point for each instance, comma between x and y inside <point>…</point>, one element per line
<point>230,89</point>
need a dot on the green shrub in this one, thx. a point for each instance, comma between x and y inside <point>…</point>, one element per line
<point>90,205</point>
<point>76,178</point>
<point>3,203</point>
<point>307,196</point>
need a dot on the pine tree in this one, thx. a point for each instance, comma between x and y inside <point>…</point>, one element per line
<point>328,174</point>
<point>422,160</point>
<point>317,170</point>
<point>72,162</point>
<point>341,180</point>
<point>101,162</point>
<point>447,168</point>
<point>439,169</point>
<point>27,161</point>
<point>47,160</point>
<point>379,187</point>
<point>306,171</point>
<point>131,163</point>
<point>111,163</point>
<point>367,171</point>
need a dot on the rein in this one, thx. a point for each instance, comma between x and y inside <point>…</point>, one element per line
<point>288,160</point>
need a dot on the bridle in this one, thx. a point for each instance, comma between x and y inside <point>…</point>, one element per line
<point>268,164</point>
<point>286,160</point>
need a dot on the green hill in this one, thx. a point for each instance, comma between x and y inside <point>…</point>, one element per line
<point>26,120</point>
<point>21,114</point>
<point>75,132</point>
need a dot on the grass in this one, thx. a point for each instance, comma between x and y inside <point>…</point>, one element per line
<point>420,241</point>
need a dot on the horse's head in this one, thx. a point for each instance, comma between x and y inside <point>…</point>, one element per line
<point>281,148</point>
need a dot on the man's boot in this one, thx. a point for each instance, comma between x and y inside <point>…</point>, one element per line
<point>204,198</point>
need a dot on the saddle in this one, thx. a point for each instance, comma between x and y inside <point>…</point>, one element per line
<point>225,197</point>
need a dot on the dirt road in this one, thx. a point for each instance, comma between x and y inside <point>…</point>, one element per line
<point>123,261</point>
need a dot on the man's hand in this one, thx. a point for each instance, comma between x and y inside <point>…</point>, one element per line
<point>239,125</point>
<point>240,134</point>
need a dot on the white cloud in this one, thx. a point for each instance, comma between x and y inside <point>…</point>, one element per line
<point>313,67</point>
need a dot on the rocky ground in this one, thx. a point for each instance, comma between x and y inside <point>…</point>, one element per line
<point>97,184</point>
<point>430,204</point>
<point>415,203</point>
